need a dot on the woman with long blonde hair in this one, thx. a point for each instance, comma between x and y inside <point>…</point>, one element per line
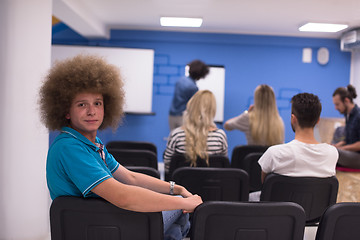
<point>199,136</point>
<point>262,123</point>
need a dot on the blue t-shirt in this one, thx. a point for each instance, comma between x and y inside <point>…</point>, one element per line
<point>74,166</point>
<point>185,88</point>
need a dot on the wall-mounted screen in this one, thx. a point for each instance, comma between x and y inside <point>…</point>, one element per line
<point>136,67</point>
<point>215,82</point>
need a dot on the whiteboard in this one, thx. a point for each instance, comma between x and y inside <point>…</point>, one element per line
<point>214,82</point>
<point>136,68</point>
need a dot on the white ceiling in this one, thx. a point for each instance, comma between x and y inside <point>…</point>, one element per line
<point>94,18</point>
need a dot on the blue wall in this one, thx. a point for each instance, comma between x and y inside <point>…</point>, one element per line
<point>249,61</point>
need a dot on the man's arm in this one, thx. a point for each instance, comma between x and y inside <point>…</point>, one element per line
<point>339,144</point>
<point>355,147</point>
<point>126,176</point>
<point>263,175</point>
<point>142,200</point>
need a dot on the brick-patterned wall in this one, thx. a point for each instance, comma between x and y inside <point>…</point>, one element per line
<point>165,74</point>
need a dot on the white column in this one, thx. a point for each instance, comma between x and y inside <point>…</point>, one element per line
<point>25,44</point>
<point>355,73</point>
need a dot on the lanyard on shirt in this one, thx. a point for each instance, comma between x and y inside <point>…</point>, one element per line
<point>101,152</point>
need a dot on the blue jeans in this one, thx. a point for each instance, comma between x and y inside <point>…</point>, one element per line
<point>176,224</point>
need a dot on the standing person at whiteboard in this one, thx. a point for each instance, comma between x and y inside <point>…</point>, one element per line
<point>185,88</point>
<point>262,123</point>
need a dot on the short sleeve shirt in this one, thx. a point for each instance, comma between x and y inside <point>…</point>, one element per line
<point>298,159</point>
<point>242,123</point>
<point>74,165</point>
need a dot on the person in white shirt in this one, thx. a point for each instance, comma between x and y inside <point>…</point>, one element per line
<point>304,156</point>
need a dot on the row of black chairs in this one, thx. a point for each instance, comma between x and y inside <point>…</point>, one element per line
<point>219,182</point>
<point>136,153</point>
<point>238,153</point>
<point>74,218</point>
<point>230,184</point>
<point>180,160</point>
<point>216,184</point>
<point>275,220</point>
<point>243,157</point>
<point>132,145</point>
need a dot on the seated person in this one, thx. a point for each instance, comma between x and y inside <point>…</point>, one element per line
<point>262,123</point>
<point>199,136</point>
<point>304,156</point>
<point>80,96</point>
<point>349,148</point>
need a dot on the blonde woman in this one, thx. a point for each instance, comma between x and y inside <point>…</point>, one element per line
<point>198,136</point>
<point>262,123</point>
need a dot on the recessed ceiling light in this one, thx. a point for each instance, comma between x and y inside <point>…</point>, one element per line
<point>180,22</point>
<point>322,27</point>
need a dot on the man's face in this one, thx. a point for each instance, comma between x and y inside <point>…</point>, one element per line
<point>339,105</point>
<point>86,114</point>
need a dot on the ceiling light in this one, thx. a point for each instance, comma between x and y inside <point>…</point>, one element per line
<point>180,22</point>
<point>322,27</point>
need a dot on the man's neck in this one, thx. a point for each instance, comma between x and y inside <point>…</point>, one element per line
<point>306,135</point>
<point>350,107</point>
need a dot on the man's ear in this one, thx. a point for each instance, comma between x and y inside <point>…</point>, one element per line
<point>293,118</point>
<point>67,116</point>
<point>347,101</point>
<point>318,121</point>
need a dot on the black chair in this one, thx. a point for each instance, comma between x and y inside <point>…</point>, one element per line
<point>240,152</point>
<point>75,218</point>
<point>315,195</point>
<point>341,221</point>
<point>128,157</point>
<point>179,160</point>
<point>251,166</point>
<point>145,170</point>
<point>135,145</point>
<point>214,184</point>
<point>248,220</point>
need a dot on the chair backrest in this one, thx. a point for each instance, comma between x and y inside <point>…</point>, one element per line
<point>315,195</point>
<point>179,160</point>
<point>248,220</point>
<point>135,145</point>
<point>251,166</point>
<point>240,152</point>
<point>130,157</point>
<point>214,184</point>
<point>340,222</point>
<point>145,170</point>
<point>96,219</point>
